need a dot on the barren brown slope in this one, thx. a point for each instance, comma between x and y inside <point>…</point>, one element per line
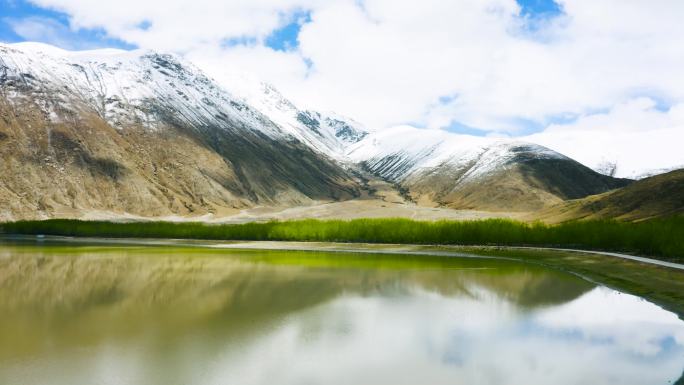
<point>136,132</point>
<point>525,183</point>
<point>83,164</point>
<point>657,196</point>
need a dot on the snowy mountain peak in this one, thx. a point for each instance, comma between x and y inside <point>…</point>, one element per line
<point>147,88</point>
<point>184,142</point>
<point>42,49</point>
<point>401,152</point>
<point>123,87</point>
<point>329,132</point>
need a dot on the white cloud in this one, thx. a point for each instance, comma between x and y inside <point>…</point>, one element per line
<point>179,25</point>
<point>635,135</point>
<point>226,66</point>
<point>387,62</point>
<point>44,30</point>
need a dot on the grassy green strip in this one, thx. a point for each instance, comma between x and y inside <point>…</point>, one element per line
<point>663,238</point>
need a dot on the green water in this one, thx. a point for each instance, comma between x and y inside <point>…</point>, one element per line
<point>80,314</point>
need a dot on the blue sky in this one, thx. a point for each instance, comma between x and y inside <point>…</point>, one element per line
<point>539,7</point>
<point>18,16</point>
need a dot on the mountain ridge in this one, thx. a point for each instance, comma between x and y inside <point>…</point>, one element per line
<point>149,134</point>
<point>465,172</point>
<point>656,196</point>
<point>143,133</point>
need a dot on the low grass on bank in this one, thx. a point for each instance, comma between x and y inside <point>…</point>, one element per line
<point>663,238</point>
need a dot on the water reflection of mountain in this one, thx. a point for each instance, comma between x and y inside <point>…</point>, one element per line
<point>91,293</point>
<point>191,315</point>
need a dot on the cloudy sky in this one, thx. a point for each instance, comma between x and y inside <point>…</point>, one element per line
<point>600,81</point>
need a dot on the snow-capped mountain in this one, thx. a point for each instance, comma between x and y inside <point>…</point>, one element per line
<point>400,153</point>
<point>150,134</point>
<point>143,132</point>
<point>328,132</point>
<point>475,172</point>
<point>124,87</point>
<point>136,87</point>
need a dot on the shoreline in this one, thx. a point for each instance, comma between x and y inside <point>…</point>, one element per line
<point>659,282</point>
<point>337,247</point>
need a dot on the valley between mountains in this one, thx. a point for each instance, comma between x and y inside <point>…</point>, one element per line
<point>138,134</point>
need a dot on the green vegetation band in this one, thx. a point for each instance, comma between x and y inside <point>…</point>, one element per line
<point>662,238</point>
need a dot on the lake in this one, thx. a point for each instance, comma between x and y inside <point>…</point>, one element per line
<point>103,314</point>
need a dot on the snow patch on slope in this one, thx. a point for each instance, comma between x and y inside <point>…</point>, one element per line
<point>146,88</point>
<point>149,89</point>
<point>327,132</point>
<point>401,152</point>
<point>124,87</point>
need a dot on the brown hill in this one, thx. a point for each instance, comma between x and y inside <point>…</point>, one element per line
<point>84,164</point>
<point>526,182</point>
<point>656,196</point>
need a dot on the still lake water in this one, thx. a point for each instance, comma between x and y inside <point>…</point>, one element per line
<point>80,314</point>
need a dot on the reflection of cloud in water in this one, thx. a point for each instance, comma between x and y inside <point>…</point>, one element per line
<point>432,339</point>
<point>606,316</point>
<point>159,316</point>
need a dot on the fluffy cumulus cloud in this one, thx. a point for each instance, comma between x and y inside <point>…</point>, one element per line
<point>604,75</point>
<point>179,25</point>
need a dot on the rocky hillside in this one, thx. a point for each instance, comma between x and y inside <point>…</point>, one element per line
<point>137,132</point>
<point>466,172</point>
<point>656,196</point>
<point>146,134</point>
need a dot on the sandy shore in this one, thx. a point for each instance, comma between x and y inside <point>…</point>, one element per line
<point>361,208</point>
